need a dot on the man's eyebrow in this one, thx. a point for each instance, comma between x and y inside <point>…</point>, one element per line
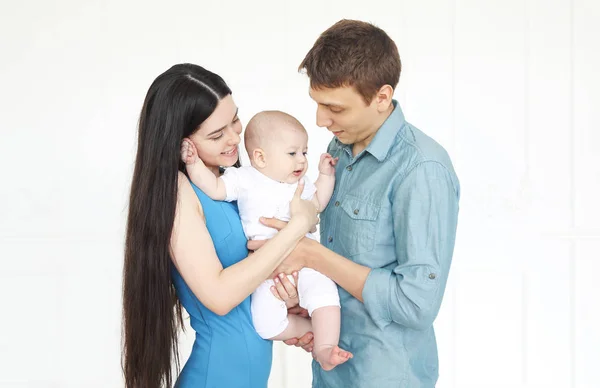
<point>332,104</point>
<point>224,126</point>
<point>327,104</point>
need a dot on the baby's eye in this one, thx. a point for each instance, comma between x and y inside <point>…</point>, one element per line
<point>292,153</point>
<point>304,153</point>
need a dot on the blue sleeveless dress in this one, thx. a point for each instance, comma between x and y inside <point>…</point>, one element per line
<point>227,352</point>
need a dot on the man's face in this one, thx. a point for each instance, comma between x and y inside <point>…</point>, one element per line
<point>344,112</point>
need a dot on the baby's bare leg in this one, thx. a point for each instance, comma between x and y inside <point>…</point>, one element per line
<point>326,328</point>
<point>297,327</point>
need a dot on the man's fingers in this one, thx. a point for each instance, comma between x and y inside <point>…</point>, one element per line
<point>306,342</point>
<point>291,341</point>
<point>295,310</point>
<point>306,339</point>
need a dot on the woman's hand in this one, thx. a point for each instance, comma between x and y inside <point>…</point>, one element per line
<point>286,290</point>
<point>303,212</point>
<point>300,256</point>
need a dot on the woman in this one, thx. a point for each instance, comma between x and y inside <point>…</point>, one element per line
<point>182,248</point>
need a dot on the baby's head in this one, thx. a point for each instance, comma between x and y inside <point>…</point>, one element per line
<point>276,144</point>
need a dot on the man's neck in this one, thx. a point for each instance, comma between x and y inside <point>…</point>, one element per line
<point>361,145</point>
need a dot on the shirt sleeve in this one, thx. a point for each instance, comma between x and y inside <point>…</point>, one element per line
<point>309,189</point>
<point>425,214</point>
<point>233,178</point>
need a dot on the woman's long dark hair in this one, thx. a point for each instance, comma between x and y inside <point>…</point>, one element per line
<point>178,101</point>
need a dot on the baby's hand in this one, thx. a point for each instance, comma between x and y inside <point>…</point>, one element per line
<point>189,154</point>
<point>327,164</point>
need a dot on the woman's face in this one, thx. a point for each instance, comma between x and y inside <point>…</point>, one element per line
<point>218,137</point>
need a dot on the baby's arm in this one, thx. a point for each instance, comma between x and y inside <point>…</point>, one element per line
<point>199,174</point>
<point>325,181</point>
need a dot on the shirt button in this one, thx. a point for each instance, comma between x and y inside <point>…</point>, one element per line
<point>355,211</point>
<point>330,239</point>
<point>337,203</point>
<point>431,276</point>
<point>349,168</point>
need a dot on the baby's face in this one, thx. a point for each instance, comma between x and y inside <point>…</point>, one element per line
<point>286,156</point>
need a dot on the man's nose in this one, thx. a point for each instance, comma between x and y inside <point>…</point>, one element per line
<point>323,118</point>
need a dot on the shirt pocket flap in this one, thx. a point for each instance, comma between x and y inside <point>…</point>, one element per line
<point>359,209</point>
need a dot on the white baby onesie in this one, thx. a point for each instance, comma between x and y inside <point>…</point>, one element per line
<point>260,196</point>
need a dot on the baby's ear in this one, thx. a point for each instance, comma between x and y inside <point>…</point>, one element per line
<point>260,157</point>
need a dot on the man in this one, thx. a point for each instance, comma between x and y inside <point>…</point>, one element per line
<point>388,232</point>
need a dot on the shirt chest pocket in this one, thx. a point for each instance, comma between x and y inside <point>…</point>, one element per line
<point>357,226</point>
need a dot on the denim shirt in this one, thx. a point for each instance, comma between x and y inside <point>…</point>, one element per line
<point>394,209</point>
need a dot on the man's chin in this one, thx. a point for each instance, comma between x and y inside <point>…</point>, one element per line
<point>341,138</point>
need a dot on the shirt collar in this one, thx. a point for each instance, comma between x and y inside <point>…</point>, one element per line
<point>383,140</point>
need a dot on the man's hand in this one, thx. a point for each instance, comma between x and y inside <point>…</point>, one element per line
<point>305,342</point>
<point>299,311</point>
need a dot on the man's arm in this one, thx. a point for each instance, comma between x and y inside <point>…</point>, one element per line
<point>425,212</point>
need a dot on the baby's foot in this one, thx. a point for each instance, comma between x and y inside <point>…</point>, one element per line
<point>331,356</point>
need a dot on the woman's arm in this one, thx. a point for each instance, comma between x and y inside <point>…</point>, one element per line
<point>194,254</point>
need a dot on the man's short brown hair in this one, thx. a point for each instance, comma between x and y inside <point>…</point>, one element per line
<point>353,53</point>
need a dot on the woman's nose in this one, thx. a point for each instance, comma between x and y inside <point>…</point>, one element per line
<point>234,138</point>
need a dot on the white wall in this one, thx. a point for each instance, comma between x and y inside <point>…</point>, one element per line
<point>510,88</point>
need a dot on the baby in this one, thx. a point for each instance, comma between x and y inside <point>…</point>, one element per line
<point>277,144</point>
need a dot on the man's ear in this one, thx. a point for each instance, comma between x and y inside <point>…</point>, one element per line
<point>383,98</point>
<point>260,157</point>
